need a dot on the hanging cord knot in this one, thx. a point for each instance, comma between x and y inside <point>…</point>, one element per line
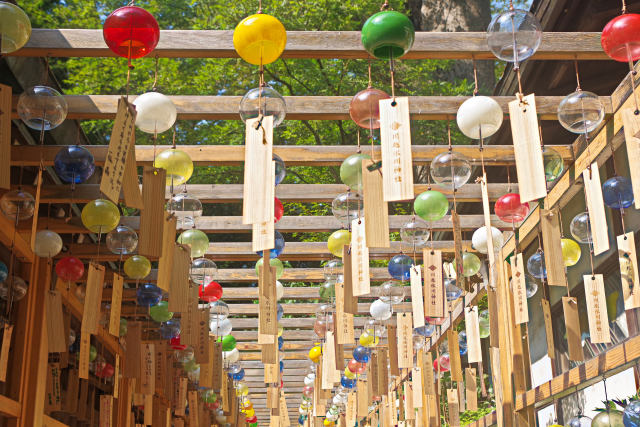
<point>385,6</point>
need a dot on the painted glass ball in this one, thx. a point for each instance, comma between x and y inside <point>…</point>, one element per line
<point>15,28</point>
<point>347,382</point>
<point>346,207</point>
<point>160,312</point>
<point>278,246</point>
<point>273,262</point>
<point>259,39</point>
<point>364,108</point>
<point>228,342</point>
<point>315,354</point>
<point>122,240</point>
<point>197,240</point>
<point>479,117</point>
<point>514,35</point>
<point>278,209</point>
<point>351,171</point>
<point>450,170</point>
<point>509,209</point>
<point>536,267</point>
<point>47,244</point>
<point>617,192</point>
<point>42,108</point>
<point>631,414</point>
<point>17,205</point>
<point>131,32</point>
<point>155,112</point>
<point>170,329</point>
<point>211,292</point>
<point>425,331</point>
<point>553,164</point>
<point>431,205</point>
<point>581,228</point>
<point>337,240</point>
<point>580,112</point>
<point>263,101</point>
<point>388,35</point>
<point>361,354</point>
<point>137,267</point>
<point>400,267</point>
<point>620,39</point>
<point>100,216</point>
<point>570,252</point>
<point>178,165</point>
<point>74,164</point>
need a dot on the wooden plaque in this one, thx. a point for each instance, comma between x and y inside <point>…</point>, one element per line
<point>271,373</point>
<point>130,181</point>
<point>179,286</point>
<point>351,410</point>
<point>217,366</point>
<point>597,308</point>
<point>263,233</point>
<point>631,123</point>
<point>548,327</point>
<point>471,389</point>
<point>373,373</point>
<point>133,340</point>
<point>147,364</point>
<point>532,184</point>
<point>192,397</point>
<point>392,337</point>
<point>405,340</point>
<point>73,388</point>
<point>428,379</point>
<point>106,410</point>
<point>363,401</point>
<point>453,407</point>
<point>417,386</point>
<point>328,362</point>
<point>551,240</point>
<point>376,210</point>
<point>360,277</point>
<point>5,136</point>
<point>202,350</point>
<point>93,299</point>
<point>417,297</point>
<point>409,408</point>
<point>433,288</point>
<point>190,320</point>
<point>343,321</point>
<point>55,323</point>
<point>474,346</point>
<point>395,141</point>
<point>83,358</point>
<point>269,352</point>
<point>152,216</point>
<point>350,301</point>
<point>572,325</point>
<point>595,206</point>
<point>258,161</point>
<point>629,270</point>
<point>165,263</point>
<point>116,303</point>
<point>492,300</point>
<point>4,351</point>
<point>268,301</point>
<point>454,355</point>
<point>181,394</point>
<point>53,397</point>
<point>519,289</point>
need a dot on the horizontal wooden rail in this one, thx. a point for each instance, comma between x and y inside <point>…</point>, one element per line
<point>292,155</point>
<point>85,107</point>
<point>48,421</point>
<point>306,44</point>
<point>9,407</point>
<point>486,421</point>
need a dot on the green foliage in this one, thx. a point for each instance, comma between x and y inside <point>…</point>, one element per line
<point>485,408</point>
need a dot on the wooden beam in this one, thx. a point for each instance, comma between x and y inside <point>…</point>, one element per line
<point>306,44</point>
<point>91,107</point>
<point>292,155</point>
<point>10,239</point>
<point>9,407</point>
<point>52,422</point>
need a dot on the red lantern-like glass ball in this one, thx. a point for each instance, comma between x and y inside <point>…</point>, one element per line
<point>308,391</point>
<point>442,364</point>
<point>70,269</point>
<point>357,367</point>
<point>211,292</point>
<point>253,419</point>
<point>175,343</point>
<point>365,107</point>
<point>104,370</point>
<point>435,320</point>
<point>131,32</point>
<point>278,210</point>
<point>621,38</point>
<point>509,209</point>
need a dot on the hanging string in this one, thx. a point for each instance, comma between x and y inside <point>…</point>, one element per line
<point>615,173</point>
<point>624,7</point>
<point>393,79</point>
<point>370,85</point>
<point>475,76</point>
<point>386,6</point>
<point>155,79</point>
<point>358,139</point>
<point>259,6</point>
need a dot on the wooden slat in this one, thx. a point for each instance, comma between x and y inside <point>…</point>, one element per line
<point>301,44</point>
<point>9,407</point>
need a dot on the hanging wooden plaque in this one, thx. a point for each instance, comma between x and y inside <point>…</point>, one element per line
<point>572,325</point>
<point>268,301</point>
<point>93,299</point>
<point>217,366</point>
<point>106,410</point>
<point>202,351</point>
<point>372,374</point>
<point>263,233</point>
<point>405,340</point>
<point>284,411</point>
<point>271,373</point>
<point>548,327</point>
<point>83,358</point>
<point>392,337</point>
<point>519,289</point>
<point>343,321</point>
<point>360,278</point>
<point>383,372</point>
<point>116,376</point>
<point>433,289</point>
<point>472,327</point>
<point>417,297</point>
<point>351,408</point>
<point>55,323</point>
<point>179,287</point>
<point>631,123</point>
<point>53,396</point>
<point>181,395</point>
<point>258,161</point>
<point>4,351</point>
<point>192,397</point>
<point>132,355</point>
<point>130,180</point>
<point>428,379</point>
<point>165,263</point>
<point>471,389</point>
<point>454,355</point>
<point>453,407</point>
<point>628,261</point>
<point>273,397</point>
<point>160,369</point>
<point>66,322</point>
<point>395,141</point>
<point>206,375</point>
<point>532,184</point>
<point>417,386</point>
<point>376,210</point>
<point>116,303</point>
<point>71,396</point>
<point>190,321</point>
<point>114,171</point>
<point>328,362</point>
<point>350,301</point>
<point>152,216</point>
<point>178,422</point>
<point>595,206</point>
<point>147,363</point>
<point>597,308</point>
<point>492,302</point>
<point>363,401</point>
<point>409,408</point>
<point>551,240</point>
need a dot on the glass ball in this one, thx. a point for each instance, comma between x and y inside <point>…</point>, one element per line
<point>364,108</point>
<point>611,418</point>
<point>307,391</point>
<point>42,107</point>
<point>388,35</point>
<point>327,291</point>
<point>74,164</point>
<point>580,112</point>
<point>617,192</point>
<point>361,354</point>
<point>259,39</point>
<point>170,329</point>
<point>178,165</point>
<point>425,331</point>
<point>122,240</point>
<point>80,292</point>
<point>509,209</point>
<point>536,267</point>
<point>231,356</point>
<point>414,233</point>
<point>47,244</point>
<point>347,382</point>
<point>19,288</point>
<point>356,367</point>
<point>148,295</point>
<point>211,292</point>
<point>100,216</point>
<point>470,264</point>
<point>278,209</point>
<point>570,252</point>
<point>202,271</point>
<point>131,32</point>
<point>418,343</point>
<point>191,367</point>
<point>553,164</point>
<point>451,290</point>
<point>392,292</point>
<point>400,267</point>
<point>228,342</point>
<point>346,207</point>
<point>349,374</point>
<point>333,271</point>
<point>156,113</point>
<point>280,312</point>
<point>218,310</point>
<point>265,101</point>
<point>281,170</point>
<point>431,205</point>
<point>72,337</point>
<point>4,271</point>
<point>337,241</point>
<point>620,39</point>
<point>17,205</point>
<point>514,35</point>
<point>320,327</point>
<point>351,171</point>
<point>278,246</point>
<point>160,312</point>
<point>483,324</point>
<point>273,262</point>
<point>450,170</point>
<point>442,364</point>
<point>380,310</point>
<point>531,285</point>
<point>15,28</point>
<point>197,240</point>
<point>186,207</point>
<point>315,354</point>
<point>220,327</point>
<point>579,421</point>
<point>581,228</point>
<point>137,267</point>
<point>479,116</point>
<point>479,239</point>
<point>279,290</point>
<point>631,415</point>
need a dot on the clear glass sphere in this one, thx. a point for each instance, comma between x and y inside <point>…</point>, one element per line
<point>392,292</point>
<point>531,285</point>
<point>177,163</point>
<point>203,271</point>
<point>579,421</point>
<point>17,204</point>
<point>514,35</point>
<point>553,164</point>
<point>333,271</point>
<point>415,233</point>
<point>185,355</point>
<point>74,164</point>
<point>617,192</point>
<point>346,207</point>
<point>536,267</point>
<point>418,342</point>
<point>470,264</point>
<point>581,228</point>
<point>425,331</point>
<point>380,310</point>
<point>155,112</point>
<point>15,28</point>
<point>450,170</point>
<point>18,288</point>
<point>451,290</point>
<point>327,291</point>
<point>122,240</point>
<point>265,101</point>
<point>580,112</point>
<point>479,116</point>
<point>42,107</point>
<point>281,170</point>
<point>218,310</point>
<point>186,207</point>
<point>630,417</point>
<point>48,244</point>
<point>351,171</point>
